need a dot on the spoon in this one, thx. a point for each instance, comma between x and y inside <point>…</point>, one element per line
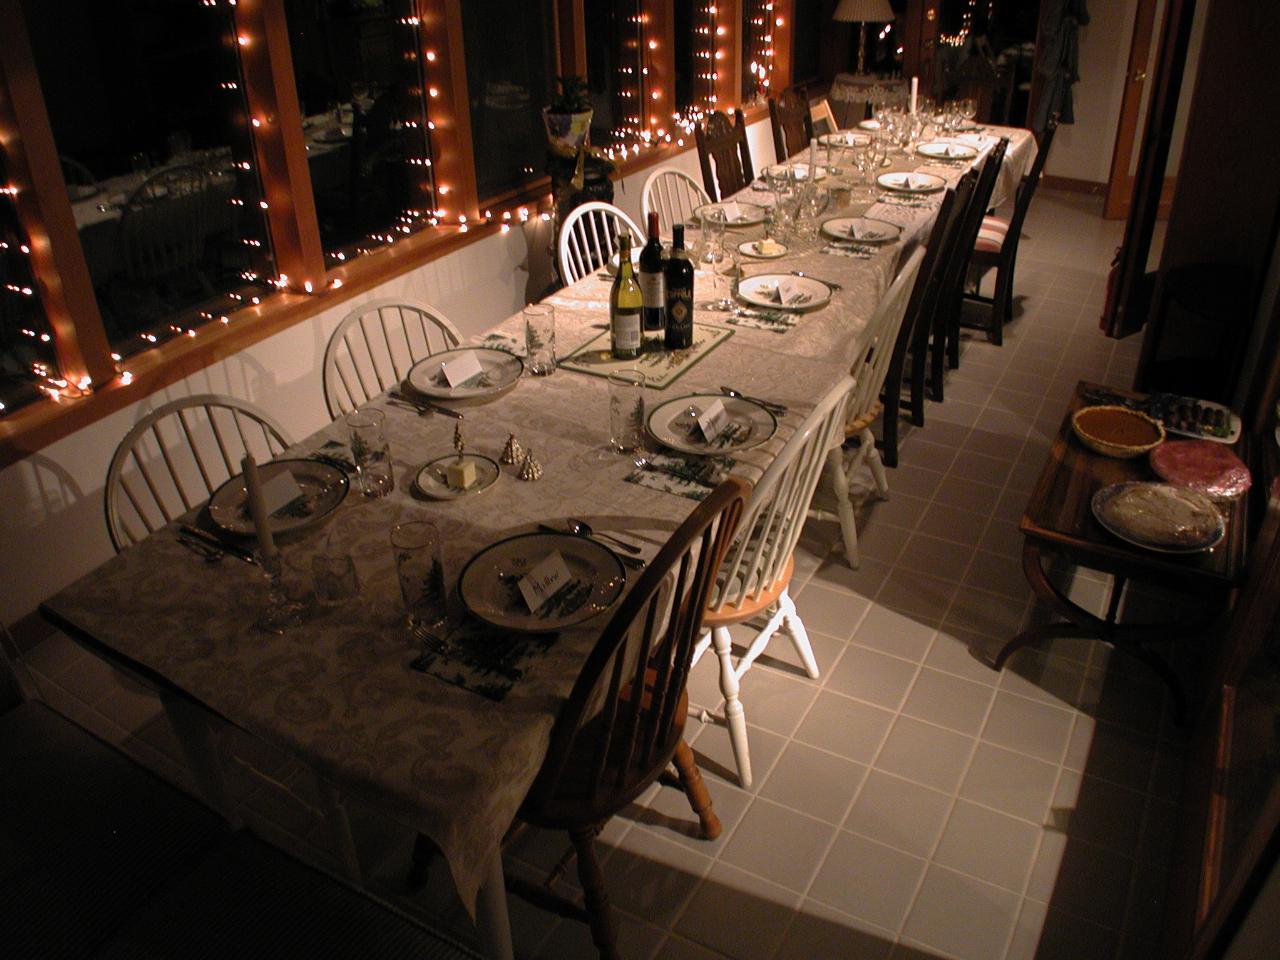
<point>581,529</point>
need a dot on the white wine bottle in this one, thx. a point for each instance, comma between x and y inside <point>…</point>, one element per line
<point>625,306</point>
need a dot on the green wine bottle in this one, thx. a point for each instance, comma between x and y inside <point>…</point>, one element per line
<point>625,306</point>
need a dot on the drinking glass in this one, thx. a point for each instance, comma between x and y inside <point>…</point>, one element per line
<point>416,545</point>
<point>713,228</point>
<point>626,410</point>
<point>370,452</point>
<point>288,597</point>
<point>540,339</point>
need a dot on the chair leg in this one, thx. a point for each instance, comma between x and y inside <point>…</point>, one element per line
<point>758,644</point>
<point>937,356</point>
<point>872,456</point>
<point>696,790</point>
<point>599,913</point>
<point>953,334</point>
<point>844,507</point>
<point>799,637</point>
<point>734,715</point>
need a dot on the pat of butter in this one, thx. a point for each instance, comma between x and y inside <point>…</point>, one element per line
<point>768,246</point>
<point>461,475</point>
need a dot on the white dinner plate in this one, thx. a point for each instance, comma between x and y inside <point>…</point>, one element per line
<point>1159,492</point>
<point>945,150</point>
<point>861,229</point>
<point>323,487</point>
<point>673,424</point>
<point>432,479</point>
<point>762,291</point>
<point>845,138</point>
<point>499,371</point>
<point>906,182</point>
<point>869,124</point>
<point>612,266</point>
<point>800,171</point>
<point>488,585</point>
<point>750,214</point>
<point>751,249</point>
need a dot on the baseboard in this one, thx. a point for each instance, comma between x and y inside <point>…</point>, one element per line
<point>1072,185</point>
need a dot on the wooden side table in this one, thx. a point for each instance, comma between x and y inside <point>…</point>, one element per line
<point>1059,521</point>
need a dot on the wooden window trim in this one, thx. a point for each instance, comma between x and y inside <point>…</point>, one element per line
<point>55,251</point>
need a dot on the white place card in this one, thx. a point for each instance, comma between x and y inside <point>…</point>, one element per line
<point>732,212</point>
<point>549,575</point>
<point>464,367</point>
<point>786,291</point>
<point>280,490</point>
<point>713,420</point>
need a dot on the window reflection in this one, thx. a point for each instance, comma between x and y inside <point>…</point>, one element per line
<point>147,110</point>
<point>358,72</point>
<point>26,347</point>
<point>604,26</point>
<point>758,21</point>
<point>510,63</point>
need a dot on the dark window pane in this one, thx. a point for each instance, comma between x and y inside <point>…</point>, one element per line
<point>147,109</point>
<point>606,24</point>
<point>358,69</point>
<point>510,64</point>
<point>757,49</point>
<point>27,356</point>
<point>807,23</point>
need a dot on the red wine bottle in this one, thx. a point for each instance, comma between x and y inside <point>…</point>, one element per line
<point>653,286</point>
<point>679,276</point>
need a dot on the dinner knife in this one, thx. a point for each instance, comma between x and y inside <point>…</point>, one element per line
<point>423,404</point>
<point>204,536</point>
<point>627,560</point>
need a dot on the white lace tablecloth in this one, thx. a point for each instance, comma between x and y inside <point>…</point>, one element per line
<point>338,690</point>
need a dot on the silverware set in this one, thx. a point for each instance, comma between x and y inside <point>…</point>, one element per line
<point>420,405</point>
<point>775,408</point>
<point>211,547</point>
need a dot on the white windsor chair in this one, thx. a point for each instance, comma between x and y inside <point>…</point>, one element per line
<point>674,194</point>
<point>589,237</point>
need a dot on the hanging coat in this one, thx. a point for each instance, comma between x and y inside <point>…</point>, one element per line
<point>1059,59</point>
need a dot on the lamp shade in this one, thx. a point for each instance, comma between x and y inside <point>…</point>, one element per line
<point>864,11</point>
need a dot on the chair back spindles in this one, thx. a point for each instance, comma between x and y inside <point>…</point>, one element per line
<point>375,346</point>
<point>173,459</point>
<point>674,195</point>
<point>791,123</point>
<point>589,237</point>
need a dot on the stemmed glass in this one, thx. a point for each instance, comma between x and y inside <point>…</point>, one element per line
<point>713,228</point>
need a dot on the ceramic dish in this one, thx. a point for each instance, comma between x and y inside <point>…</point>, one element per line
<point>762,291</point>
<point>800,171</point>
<point>488,585</point>
<point>869,124</point>
<point>750,249</point>
<point>845,138</point>
<point>943,150</point>
<point>673,425</point>
<point>323,487</point>
<point>750,214</point>
<point>861,230</point>
<point>432,479</point>
<point>911,182</point>
<point>1160,517</point>
<point>500,371</point>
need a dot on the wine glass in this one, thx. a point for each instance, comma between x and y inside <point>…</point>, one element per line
<point>713,227</point>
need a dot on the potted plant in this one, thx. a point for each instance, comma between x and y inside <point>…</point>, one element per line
<point>568,116</point>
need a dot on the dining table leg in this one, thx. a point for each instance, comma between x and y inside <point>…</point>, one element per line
<point>191,727</point>
<point>492,919</point>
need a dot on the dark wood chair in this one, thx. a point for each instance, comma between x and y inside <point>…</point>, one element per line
<point>997,247</point>
<point>791,123</point>
<point>724,143</point>
<point>946,334</point>
<point>919,308</point>
<point>624,720</point>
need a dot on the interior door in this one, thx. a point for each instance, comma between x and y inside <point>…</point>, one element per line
<point>1120,182</point>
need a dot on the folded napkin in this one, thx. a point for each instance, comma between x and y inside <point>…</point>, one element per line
<point>853,253</point>
<point>911,181</point>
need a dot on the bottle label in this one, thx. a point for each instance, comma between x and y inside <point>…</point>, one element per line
<point>653,287</point>
<point>679,309</point>
<point>625,331</point>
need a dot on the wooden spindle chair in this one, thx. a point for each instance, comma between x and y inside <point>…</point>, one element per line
<point>374,347</point>
<point>589,238</point>
<point>674,195</point>
<point>790,122</point>
<point>624,720</point>
<point>177,455</point>
<point>724,144</point>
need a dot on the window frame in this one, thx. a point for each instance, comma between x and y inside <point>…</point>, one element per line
<point>62,273</point>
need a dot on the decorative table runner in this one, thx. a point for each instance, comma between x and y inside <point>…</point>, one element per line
<point>660,369</point>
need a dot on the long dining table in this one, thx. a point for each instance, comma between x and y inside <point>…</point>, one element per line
<point>338,691</point>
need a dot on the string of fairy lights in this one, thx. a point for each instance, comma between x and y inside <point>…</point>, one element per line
<point>428,128</point>
<point>958,38</point>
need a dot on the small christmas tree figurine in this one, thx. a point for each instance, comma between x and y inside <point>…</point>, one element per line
<point>530,469</point>
<point>459,443</point>
<point>512,452</point>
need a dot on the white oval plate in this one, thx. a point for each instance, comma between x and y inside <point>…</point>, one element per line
<point>612,266</point>
<point>670,424</point>
<point>752,214</point>
<point>944,150</point>
<point>869,124</point>
<point>748,249</point>
<point>845,138</point>
<point>500,371</point>
<point>877,231</point>
<point>432,481</point>
<point>800,171</point>
<point>488,582</point>
<point>1163,489</point>
<point>760,291</point>
<point>919,182</point>
<point>323,488</point>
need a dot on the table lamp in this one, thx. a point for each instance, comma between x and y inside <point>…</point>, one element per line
<point>863,12</point>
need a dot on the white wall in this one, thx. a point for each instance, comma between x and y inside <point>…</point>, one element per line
<point>1082,151</point>
<point>52,526</point>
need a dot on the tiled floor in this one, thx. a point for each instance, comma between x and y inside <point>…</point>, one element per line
<point>911,802</point>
